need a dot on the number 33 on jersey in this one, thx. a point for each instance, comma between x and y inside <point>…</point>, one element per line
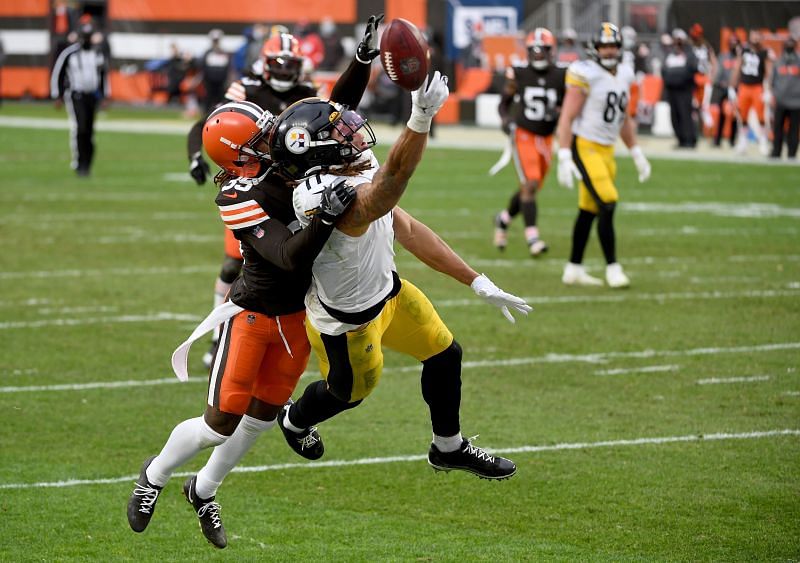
<point>607,97</point>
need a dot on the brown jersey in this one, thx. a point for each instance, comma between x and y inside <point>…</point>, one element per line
<point>277,254</point>
<point>537,102</point>
<point>753,66</point>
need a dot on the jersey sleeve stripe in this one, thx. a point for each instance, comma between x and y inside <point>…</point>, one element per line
<point>228,208</point>
<point>244,223</point>
<point>574,79</point>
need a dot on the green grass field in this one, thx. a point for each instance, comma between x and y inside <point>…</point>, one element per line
<point>658,423</point>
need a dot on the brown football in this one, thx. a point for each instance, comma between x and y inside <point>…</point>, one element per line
<point>404,54</point>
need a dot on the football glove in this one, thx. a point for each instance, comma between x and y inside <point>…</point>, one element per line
<point>642,166</point>
<point>567,171</point>
<point>198,169</point>
<point>336,198</point>
<point>485,289</point>
<point>732,94</point>
<point>506,126</point>
<point>426,101</point>
<point>368,47</point>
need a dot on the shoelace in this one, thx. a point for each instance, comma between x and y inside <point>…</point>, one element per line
<point>309,440</point>
<point>479,453</point>
<point>149,497</point>
<point>212,508</point>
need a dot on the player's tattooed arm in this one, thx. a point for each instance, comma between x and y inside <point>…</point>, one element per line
<point>376,199</point>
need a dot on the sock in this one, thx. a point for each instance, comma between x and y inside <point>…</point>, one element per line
<point>227,455</point>
<point>288,423</point>
<point>187,440</point>
<point>605,232</point>
<point>580,235</point>
<point>529,212</point>
<point>441,389</point>
<point>316,405</point>
<point>447,443</point>
<point>505,218</point>
<point>531,234</point>
<point>513,205</point>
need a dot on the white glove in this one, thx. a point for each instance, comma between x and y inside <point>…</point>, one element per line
<point>766,97</point>
<point>732,94</point>
<point>567,171</point>
<point>426,101</point>
<point>642,166</point>
<point>484,288</point>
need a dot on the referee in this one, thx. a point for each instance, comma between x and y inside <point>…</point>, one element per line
<point>80,79</point>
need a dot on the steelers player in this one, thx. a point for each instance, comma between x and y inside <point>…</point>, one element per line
<point>593,114</point>
<point>529,107</point>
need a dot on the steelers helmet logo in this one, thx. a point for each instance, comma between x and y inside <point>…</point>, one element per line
<point>297,140</point>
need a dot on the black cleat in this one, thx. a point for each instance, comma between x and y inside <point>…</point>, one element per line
<point>207,513</point>
<point>308,443</point>
<point>143,500</point>
<point>473,459</point>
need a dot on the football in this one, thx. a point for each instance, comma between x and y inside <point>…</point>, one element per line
<point>404,54</point>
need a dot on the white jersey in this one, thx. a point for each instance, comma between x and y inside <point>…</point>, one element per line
<point>607,97</point>
<point>350,274</point>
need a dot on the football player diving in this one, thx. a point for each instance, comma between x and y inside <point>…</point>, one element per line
<point>594,113</point>
<point>276,81</point>
<point>263,346</point>
<point>357,303</point>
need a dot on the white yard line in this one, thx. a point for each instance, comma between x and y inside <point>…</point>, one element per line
<point>416,458</point>
<point>598,358</point>
<point>747,379</point>
<point>643,369</point>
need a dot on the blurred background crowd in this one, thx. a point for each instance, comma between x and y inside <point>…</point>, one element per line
<point>690,57</point>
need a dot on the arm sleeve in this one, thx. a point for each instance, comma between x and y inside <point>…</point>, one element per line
<point>58,78</point>
<point>288,251</point>
<point>351,84</point>
<point>194,142</point>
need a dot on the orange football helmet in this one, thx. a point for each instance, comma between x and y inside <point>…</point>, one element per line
<point>541,44</point>
<point>283,61</point>
<point>234,136</point>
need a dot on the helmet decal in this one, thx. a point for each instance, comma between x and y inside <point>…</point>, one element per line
<point>297,140</point>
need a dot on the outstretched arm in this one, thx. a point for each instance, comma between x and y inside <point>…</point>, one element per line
<point>422,242</point>
<point>377,198</point>
<point>426,245</point>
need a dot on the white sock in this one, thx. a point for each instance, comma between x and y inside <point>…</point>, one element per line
<point>226,456</point>
<point>447,443</point>
<point>187,439</point>
<point>288,424</point>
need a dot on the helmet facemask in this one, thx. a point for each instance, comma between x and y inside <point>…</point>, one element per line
<point>540,56</point>
<point>346,127</point>
<point>283,71</point>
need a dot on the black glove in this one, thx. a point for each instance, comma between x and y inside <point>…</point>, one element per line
<point>506,126</point>
<point>336,198</point>
<point>198,169</point>
<point>368,48</point>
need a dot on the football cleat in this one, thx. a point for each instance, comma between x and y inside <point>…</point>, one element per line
<point>574,274</point>
<point>143,500</point>
<point>472,459</point>
<point>500,233</point>
<point>537,247</point>
<point>308,443</point>
<point>207,514</point>
<point>615,277</point>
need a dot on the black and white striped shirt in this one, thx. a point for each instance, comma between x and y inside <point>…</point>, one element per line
<point>79,70</point>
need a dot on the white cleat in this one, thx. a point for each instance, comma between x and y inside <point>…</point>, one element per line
<point>537,248</point>
<point>615,277</point>
<point>574,274</point>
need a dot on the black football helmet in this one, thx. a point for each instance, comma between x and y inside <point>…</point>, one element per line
<point>314,134</point>
<point>608,34</point>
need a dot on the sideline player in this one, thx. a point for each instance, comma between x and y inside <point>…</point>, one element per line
<point>750,87</point>
<point>529,107</point>
<point>593,115</point>
<point>357,302</point>
<point>278,84</point>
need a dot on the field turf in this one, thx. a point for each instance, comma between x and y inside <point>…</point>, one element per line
<point>659,423</point>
